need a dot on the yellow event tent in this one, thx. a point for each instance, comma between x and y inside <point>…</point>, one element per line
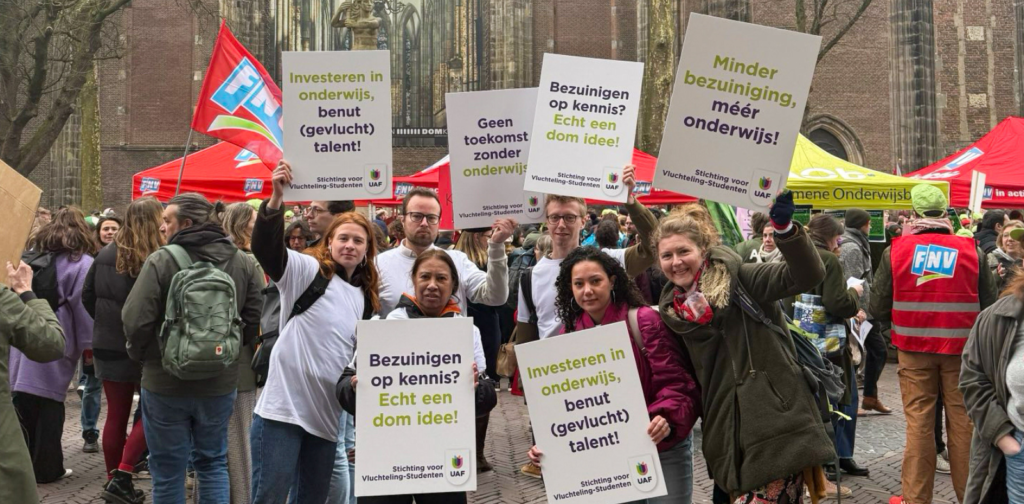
<point>820,179</point>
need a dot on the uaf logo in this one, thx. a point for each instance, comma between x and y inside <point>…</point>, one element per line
<point>764,183</point>
<point>253,186</point>
<point>932,262</point>
<point>374,174</point>
<point>244,88</point>
<point>613,177</point>
<point>533,201</point>
<point>149,185</point>
<point>646,477</point>
<point>459,472</point>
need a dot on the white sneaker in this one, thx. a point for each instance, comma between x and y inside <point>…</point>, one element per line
<point>942,463</point>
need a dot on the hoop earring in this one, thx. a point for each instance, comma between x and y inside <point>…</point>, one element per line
<point>364,261</point>
<point>613,297</point>
<point>573,305</point>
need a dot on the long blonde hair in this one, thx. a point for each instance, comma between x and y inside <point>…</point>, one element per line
<point>140,235</point>
<point>235,221</point>
<point>470,245</point>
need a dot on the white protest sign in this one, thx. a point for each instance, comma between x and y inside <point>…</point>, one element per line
<point>415,407</point>
<point>589,417</point>
<point>736,109</point>
<point>337,124</point>
<point>489,141</point>
<point>977,196</point>
<point>584,127</point>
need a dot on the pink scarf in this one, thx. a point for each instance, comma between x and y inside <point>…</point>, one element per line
<point>918,226</point>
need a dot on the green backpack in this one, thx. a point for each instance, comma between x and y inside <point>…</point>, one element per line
<point>202,331</point>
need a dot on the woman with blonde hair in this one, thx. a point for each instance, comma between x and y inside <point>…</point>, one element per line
<point>238,220</point>
<point>298,422</point>
<point>763,432</point>
<point>107,285</point>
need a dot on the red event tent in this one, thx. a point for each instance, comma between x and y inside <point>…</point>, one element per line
<point>999,155</point>
<point>223,171</point>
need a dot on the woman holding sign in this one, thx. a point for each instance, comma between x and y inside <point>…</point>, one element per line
<point>762,430</point>
<point>435,280</point>
<point>593,289</point>
<point>298,422</point>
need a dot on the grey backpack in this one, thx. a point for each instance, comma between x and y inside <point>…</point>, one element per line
<point>202,331</point>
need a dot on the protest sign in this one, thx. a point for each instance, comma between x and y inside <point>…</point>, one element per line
<point>415,407</point>
<point>337,124</point>
<point>584,127</point>
<point>589,417</point>
<point>489,142</point>
<point>736,109</point>
<point>19,200</point>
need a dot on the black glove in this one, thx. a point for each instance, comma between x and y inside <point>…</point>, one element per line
<point>782,210</point>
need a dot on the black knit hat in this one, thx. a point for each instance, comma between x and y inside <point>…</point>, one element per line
<point>856,218</point>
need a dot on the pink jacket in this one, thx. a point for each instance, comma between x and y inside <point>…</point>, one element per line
<point>666,375</point>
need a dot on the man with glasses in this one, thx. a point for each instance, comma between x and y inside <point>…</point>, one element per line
<point>421,214</point>
<point>320,214</point>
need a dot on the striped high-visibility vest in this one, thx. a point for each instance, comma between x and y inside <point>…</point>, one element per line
<point>934,292</point>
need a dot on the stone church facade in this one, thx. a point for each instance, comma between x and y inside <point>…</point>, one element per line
<point>911,82</point>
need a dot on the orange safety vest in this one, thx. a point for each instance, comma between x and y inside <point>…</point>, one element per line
<point>934,292</point>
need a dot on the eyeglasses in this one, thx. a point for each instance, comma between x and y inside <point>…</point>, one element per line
<point>313,211</point>
<point>568,218</point>
<point>418,217</point>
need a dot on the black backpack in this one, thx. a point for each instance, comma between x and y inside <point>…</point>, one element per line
<point>44,277</point>
<point>270,320</point>
<point>519,261</point>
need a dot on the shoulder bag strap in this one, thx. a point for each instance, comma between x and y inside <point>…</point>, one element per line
<point>634,330</point>
<point>312,293</point>
<point>526,286</point>
<point>179,255</point>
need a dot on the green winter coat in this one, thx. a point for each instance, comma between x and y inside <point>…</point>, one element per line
<point>31,327</point>
<point>760,421</point>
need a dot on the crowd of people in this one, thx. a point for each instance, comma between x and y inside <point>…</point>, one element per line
<point>720,335</point>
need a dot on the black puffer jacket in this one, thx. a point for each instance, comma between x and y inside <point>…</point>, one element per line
<point>103,296</point>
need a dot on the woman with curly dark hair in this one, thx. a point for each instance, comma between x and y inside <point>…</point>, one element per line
<point>593,289</point>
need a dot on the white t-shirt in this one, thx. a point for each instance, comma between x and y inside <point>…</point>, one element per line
<point>395,268</point>
<point>545,272</point>
<point>311,352</point>
<point>478,347</point>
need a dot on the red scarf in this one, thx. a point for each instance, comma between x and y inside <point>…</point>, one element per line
<point>691,305</point>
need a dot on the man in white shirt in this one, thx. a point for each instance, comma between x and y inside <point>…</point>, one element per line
<point>421,213</point>
<point>565,216</point>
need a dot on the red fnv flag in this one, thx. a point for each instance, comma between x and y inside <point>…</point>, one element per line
<point>239,101</point>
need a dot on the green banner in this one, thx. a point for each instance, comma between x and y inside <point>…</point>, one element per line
<point>877,233</point>
<point>802,214</point>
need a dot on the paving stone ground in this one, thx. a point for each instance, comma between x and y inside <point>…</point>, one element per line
<point>879,447</point>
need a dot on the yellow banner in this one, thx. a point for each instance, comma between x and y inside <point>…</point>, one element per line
<point>820,179</point>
